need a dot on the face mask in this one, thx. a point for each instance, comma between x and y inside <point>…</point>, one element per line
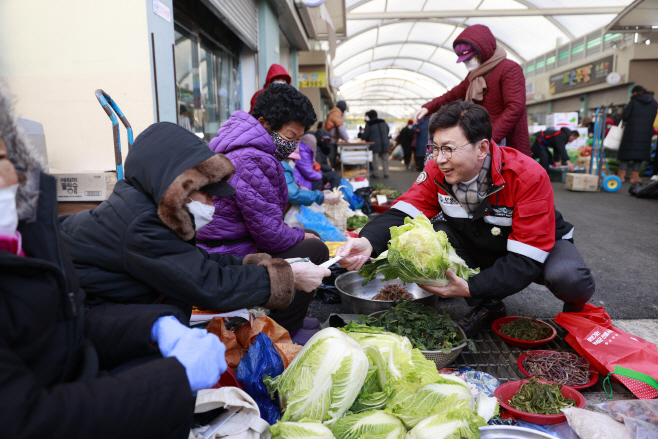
<point>202,213</point>
<point>283,147</point>
<point>472,63</point>
<point>367,118</point>
<point>409,126</point>
<point>8,213</point>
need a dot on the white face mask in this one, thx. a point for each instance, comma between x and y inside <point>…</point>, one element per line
<point>409,126</point>
<point>202,213</point>
<point>8,213</point>
<point>472,63</point>
<point>367,118</point>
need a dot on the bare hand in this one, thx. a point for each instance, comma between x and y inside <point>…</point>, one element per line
<point>571,166</point>
<point>311,236</point>
<point>355,253</point>
<point>308,276</point>
<point>420,114</point>
<point>457,287</point>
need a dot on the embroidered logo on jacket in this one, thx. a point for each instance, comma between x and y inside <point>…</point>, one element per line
<point>502,211</point>
<point>421,178</point>
<point>447,199</point>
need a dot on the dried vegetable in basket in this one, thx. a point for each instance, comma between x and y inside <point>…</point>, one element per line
<point>540,398</point>
<point>526,329</point>
<point>560,367</point>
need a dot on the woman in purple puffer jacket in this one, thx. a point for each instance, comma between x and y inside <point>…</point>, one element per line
<point>253,218</point>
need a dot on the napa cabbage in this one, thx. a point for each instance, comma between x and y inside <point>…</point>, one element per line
<point>487,406</point>
<point>373,424</point>
<point>300,430</point>
<point>323,380</point>
<point>417,254</point>
<point>459,423</point>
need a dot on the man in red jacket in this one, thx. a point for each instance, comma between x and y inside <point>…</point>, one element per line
<point>276,73</point>
<point>499,216</point>
<point>493,81</point>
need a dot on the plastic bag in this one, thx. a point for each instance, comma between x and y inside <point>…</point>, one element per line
<point>364,193</point>
<point>318,222</point>
<point>640,416</point>
<point>262,359</point>
<point>356,202</point>
<point>336,209</point>
<point>347,189</point>
<point>593,425</point>
<point>397,153</point>
<point>327,291</point>
<point>290,220</point>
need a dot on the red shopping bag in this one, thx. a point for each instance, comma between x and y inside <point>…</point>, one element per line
<point>613,352</point>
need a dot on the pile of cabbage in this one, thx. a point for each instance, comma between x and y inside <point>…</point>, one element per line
<point>364,382</point>
<point>417,254</point>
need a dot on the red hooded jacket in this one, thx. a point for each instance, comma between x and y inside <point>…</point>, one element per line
<point>274,71</point>
<point>505,96</point>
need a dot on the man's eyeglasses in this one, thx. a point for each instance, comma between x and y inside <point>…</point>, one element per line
<point>445,150</point>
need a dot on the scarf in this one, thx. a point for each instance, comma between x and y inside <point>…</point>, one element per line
<point>471,193</point>
<point>283,147</point>
<point>477,86</point>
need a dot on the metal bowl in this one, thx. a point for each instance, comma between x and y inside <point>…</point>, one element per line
<point>357,299</point>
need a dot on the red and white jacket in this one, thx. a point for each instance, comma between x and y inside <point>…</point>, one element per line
<point>519,204</point>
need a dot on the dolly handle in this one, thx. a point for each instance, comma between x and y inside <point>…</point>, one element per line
<point>111,108</point>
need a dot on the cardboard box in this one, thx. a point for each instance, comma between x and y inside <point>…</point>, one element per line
<point>84,185</point>
<point>560,120</point>
<point>582,182</point>
<point>583,162</point>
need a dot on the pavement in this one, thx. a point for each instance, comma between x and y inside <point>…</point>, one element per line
<point>616,234</point>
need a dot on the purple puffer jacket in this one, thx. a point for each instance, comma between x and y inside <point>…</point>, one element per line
<point>303,171</point>
<point>256,210</point>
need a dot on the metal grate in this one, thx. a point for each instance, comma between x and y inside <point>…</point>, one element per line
<point>497,358</point>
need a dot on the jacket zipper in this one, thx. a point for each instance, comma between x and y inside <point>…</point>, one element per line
<point>62,266</point>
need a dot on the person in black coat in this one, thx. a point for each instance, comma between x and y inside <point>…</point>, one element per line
<point>377,131</point>
<point>556,139</point>
<point>635,146</point>
<point>139,245</point>
<point>66,372</point>
<point>405,138</point>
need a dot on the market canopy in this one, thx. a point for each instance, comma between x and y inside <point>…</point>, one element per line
<point>398,53</point>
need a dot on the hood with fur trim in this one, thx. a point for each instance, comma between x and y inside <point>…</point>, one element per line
<point>167,163</point>
<point>25,158</point>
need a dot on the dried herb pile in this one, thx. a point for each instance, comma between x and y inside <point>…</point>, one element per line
<point>422,325</point>
<point>540,398</point>
<point>393,292</point>
<point>526,329</point>
<point>561,367</point>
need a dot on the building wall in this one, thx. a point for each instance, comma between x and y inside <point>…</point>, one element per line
<point>54,55</point>
<point>268,37</point>
<point>163,74</point>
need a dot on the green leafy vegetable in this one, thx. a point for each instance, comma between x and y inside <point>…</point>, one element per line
<point>356,221</point>
<point>458,423</point>
<point>417,254</point>
<point>379,187</point>
<point>300,430</point>
<point>526,329</point>
<point>376,388</point>
<point>422,325</point>
<point>323,380</point>
<point>374,424</point>
<point>540,398</point>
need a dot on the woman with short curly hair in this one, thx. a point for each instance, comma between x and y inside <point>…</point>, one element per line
<point>252,219</point>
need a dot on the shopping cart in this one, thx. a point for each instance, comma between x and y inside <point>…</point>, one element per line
<point>610,183</point>
<point>113,110</point>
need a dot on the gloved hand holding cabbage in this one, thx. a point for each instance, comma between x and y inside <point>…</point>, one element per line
<point>418,254</point>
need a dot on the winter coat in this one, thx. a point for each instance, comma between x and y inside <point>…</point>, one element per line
<point>52,351</point>
<point>139,244</point>
<point>556,139</point>
<point>519,203</point>
<point>304,173</point>
<point>406,137</point>
<point>274,71</point>
<point>638,120</point>
<point>322,152</point>
<point>255,213</point>
<point>505,96</point>
<point>376,131</point>
<point>296,194</point>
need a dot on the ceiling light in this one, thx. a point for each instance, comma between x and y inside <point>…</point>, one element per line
<point>647,42</point>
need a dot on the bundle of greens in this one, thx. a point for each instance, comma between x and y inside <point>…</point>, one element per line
<point>423,325</point>
<point>356,221</point>
<point>526,329</point>
<point>540,398</point>
<point>417,254</point>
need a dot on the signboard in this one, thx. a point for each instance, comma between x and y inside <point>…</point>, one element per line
<point>312,79</point>
<point>160,9</point>
<point>529,91</point>
<point>594,72</point>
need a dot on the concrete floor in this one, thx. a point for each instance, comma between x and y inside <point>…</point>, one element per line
<point>617,236</point>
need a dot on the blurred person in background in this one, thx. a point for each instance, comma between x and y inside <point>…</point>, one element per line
<point>334,124</point>
<point>360,134</point>
<point>556,139</point>
<point>635,146</point>
<point>405,138</point>
<point>310,173</point>
<point>298,195</point>
<point>276,74</point>
<point>493,81</point>
<point>377,131</point>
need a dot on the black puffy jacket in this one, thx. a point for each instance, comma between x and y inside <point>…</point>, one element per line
<point>52,349</point>
<point>377,131</point>
<point>638,118</point>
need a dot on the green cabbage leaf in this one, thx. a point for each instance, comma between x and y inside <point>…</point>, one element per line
<point>373,424</point>
<point>300,430</point>
<point>458,423</point>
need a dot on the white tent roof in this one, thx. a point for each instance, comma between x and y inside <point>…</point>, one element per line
<point>398,53</point>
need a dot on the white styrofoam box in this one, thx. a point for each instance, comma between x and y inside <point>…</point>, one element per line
<point>561,120</point>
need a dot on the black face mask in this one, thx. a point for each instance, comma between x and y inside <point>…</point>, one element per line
<point>324,146</point>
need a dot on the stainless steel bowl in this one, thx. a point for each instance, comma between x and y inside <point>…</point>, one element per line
<point>357,299</point>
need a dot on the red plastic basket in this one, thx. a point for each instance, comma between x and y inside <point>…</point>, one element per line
<point>504,393</point>
<point>515,341</point>
<point>594,376</point>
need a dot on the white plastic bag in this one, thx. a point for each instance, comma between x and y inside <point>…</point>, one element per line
<point>336,209</point>
<point>613,139</point>
<point>640,416</point>
<point>593,425</point>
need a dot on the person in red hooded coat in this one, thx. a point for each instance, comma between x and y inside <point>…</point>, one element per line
<point>493,81</point>
<point>276,73</point>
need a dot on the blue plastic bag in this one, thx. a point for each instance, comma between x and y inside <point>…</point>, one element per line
<point>262,359</point>
<point>348,192</point>
<point>318,222</point>
<point>356,202</point>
